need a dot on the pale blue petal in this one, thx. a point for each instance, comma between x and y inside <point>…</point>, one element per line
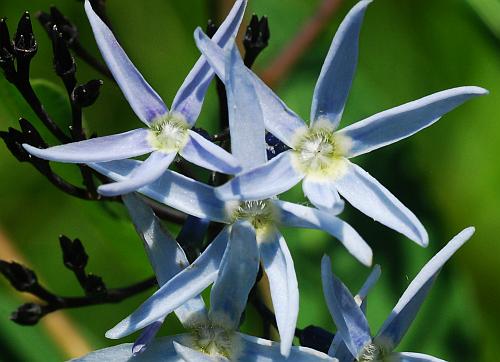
<point>323,195</point>
<point>349,318</point>
<point>278,118</point>
<point>278,265</point>
<point>237,274</point>
<point>145,102</point>
<point>334,82</point>
<point>403,314</point>
<point>172,189</point>
<point>268,180</point>
<point>306,217</point>
<point>366,194</point>
<point>191,355</point>
<point>161,350</point>
<point>165,254</point>
<point>246,121</point>
<point>147,336</point>
<point>261,350</point>
<point>189,98</point>
<point>204,153</point>
<point>187,284</point>
<point>101,149</point>
<point>397,123</point>
<point>148,172</point>
<point>413,357</point>
<point>369,282</point>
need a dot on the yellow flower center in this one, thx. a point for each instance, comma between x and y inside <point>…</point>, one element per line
<point>169,133</point>
<point>260,213</point>
<point>213,340</point>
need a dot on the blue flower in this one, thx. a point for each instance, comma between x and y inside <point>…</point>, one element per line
<point>213,334</point>
<point>353,340</point>
<point>167,132</point>
<point>319,154</point>
<point>251,234</point>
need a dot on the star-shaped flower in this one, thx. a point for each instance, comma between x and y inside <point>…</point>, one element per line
<point>319,153</point>
<point>251,232</point>
<point>355,341</point>
<point>213,335</point>
<point>168,132</point>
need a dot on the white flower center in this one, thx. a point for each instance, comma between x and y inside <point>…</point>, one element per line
<point>213,340</point>
<point>260,213</point>
<point>374,352</point>
<point>169,133</point>
<point>319,152</point>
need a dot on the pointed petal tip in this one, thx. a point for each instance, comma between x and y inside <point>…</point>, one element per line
<point>285,349</point>
<point>109,190</point>
<point>138,349</point>
<point>113,333</point>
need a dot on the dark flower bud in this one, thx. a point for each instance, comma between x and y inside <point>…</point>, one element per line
<point>274,146</point>
<point>6,51</point>
<point>25,45</point>
<point>94,285</point>
<point>63,60</point>
<point>86,94</point>
<point>74,255</point>
<point>68,30</point>
<point>211,28</point>
<point>21,278</point>
<point>256,38</point>
<point>27,315</point>
<point>45,20</point>
<point>31,135</point>
<point>316,338</point>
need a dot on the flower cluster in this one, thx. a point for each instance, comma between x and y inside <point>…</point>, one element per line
<point>248,204</point>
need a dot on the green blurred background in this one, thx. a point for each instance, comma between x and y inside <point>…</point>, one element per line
<point>448,174</point>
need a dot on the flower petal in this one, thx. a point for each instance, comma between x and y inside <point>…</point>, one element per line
<point>323,195</point>
<point>237,274</point>
<point>172,189</point>
<point>413,357</point>
<point>165,254</point>
<point>403,314</point>
<point>270,179</point>
<point>145,102</point>
<point>400,122</point>
<point>148,172</point>
<point>189,98</point>
<point>191,355</point>
<point>261,350</point>
<point>246,121</point>
<point>307,217</point>
<point>334,82</point>
<point>185,285</point>
<point>367,195</point>
<point>349,318</point>
<point>278,118</point>
<point>147,336</point>
<point>161,350</point>
<point>204,153</point>
<point>278,265</point>
<point>101,149</point>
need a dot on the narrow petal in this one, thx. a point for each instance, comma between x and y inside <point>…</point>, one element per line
<point>323,195</point>
<point>101,149</point>
<point>165,254</point>
<point>268,180</point>
<point>403,314</point>
<point>335,79</point>
<point>236,277</point>
<point>278,118</point>
<point>413,357</point>
<point>306,217</point>
<point>148,172</point>
<point>189,98</point>
<point>191,355</point>
<point>172,189</point>
<point>397,123</point>
<point>261,350</point>
<point>161,350</point>
<point>145,102</point>
<point>278,265</point>
<point>349,318</point>
<point>187,284</point>
<point>204,153</point>
<point>367,195</point>
<point>246,121</point>
<point>369,283</point>
<point>147,336</point>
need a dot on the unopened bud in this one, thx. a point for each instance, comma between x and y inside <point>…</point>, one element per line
<point>27,315</point>
<point>20,277</point>
<point>74,255</point>
<point>86,94</point>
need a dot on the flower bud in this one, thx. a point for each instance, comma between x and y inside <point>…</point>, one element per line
<point>6,51</point>
<point>94,285</point>
<point>86,94</point>
<point>25,45</point>
<point>27,314</point>
<point>74,255</point>
<point>19,276</point>
<point>63,60</point>
<point>256,38</point>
